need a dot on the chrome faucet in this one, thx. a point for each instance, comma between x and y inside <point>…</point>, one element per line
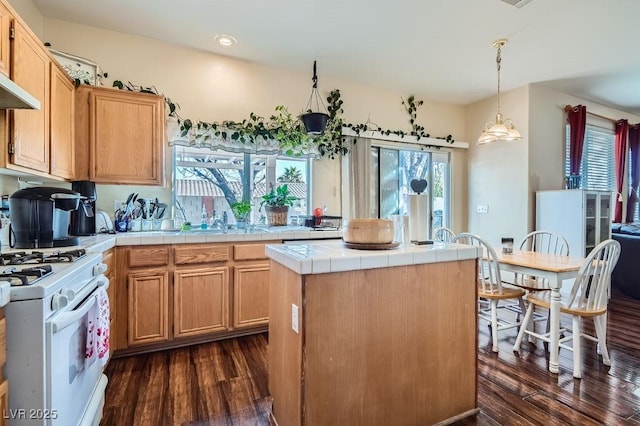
<point>220,224</point>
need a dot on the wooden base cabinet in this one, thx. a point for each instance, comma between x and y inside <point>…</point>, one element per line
<point>250,292</point>
<point>173,295</point>
<point>109,259</point>
<point>200,301</point>
<point>148,307</point>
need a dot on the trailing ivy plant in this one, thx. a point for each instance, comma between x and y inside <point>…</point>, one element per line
<point>332,143</point>
<point>286,129</point>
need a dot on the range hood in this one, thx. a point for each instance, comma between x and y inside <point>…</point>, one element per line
<point>13,96</point>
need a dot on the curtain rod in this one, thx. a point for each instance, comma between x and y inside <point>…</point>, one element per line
<point>568,108</point>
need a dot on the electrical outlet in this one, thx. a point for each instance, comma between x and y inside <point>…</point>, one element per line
<point>294,317</point>
<point>482,208</point>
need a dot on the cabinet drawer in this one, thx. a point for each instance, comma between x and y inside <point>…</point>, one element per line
<point>148,256</point>
<point>109,259</point>
<point>249,252</point>
<point>194,253</point>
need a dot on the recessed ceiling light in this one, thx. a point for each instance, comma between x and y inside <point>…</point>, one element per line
<point>225,40</point>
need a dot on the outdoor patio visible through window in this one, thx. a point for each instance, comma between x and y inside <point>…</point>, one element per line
<point>210,182</point>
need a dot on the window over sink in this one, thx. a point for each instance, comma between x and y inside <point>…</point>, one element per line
<point>209,182</point>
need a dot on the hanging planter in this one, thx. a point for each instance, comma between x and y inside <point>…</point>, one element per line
<point>315,122</point>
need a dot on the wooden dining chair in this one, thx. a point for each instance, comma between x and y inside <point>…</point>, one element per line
<point>588,298</point>
<point>541,242</point>
<point>490,287</point>
<point>443,234</point>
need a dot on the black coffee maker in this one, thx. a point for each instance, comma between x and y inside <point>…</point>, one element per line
<point>40,217</point>
<point>83,220</point>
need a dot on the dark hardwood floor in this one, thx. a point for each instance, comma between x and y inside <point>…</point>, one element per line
<point>225,382</point>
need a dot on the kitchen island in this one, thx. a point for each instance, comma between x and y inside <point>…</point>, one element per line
<point>372,337</point>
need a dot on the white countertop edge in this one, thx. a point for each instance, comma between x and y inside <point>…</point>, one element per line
<point>332,256</point>
<point>103,242</point>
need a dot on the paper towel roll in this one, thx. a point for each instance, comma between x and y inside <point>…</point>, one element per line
<point>418,217</point>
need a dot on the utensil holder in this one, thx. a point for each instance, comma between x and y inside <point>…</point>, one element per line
<point>122,225</point>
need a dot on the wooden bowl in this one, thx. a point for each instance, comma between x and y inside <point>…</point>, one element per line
<point>368,231</point>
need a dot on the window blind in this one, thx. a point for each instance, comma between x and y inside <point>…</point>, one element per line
<point>597,166</point>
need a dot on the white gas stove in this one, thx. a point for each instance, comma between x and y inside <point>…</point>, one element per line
<point>52,381</point>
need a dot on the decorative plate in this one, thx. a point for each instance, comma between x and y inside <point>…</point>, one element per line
<point>371,246</point>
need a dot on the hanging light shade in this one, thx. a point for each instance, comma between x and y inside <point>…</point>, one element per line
<point>502,129</point>
<point>315,122</point>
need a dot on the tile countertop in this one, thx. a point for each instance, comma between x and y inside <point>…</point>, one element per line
<point>103,242</point>
<point>332,256</point>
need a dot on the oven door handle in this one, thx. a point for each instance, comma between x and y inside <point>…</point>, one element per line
<point>65,320</point>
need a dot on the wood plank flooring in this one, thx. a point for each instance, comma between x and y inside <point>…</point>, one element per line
<point>225,382</point>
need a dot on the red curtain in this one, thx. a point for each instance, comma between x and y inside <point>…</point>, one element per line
<point>622,128</point>
<point>634,151</point>
<point>577,119</point>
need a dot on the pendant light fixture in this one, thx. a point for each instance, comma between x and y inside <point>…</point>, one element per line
<point>315,121</point>
<point>502,129</point>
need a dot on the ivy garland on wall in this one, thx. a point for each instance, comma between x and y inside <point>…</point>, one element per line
<point>286,129</point>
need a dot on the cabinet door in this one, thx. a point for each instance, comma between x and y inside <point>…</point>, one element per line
<point>604,217</point>
<point>126,137</point>
<point>251,295</point>
<point>201,301</point>
<point>148,307</point>
<point>62,125</point>
<point>30,128</point>
<point>108,258</point>
<point>6,20</point>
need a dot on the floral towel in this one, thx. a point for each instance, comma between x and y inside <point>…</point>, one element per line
<point>98,328</point>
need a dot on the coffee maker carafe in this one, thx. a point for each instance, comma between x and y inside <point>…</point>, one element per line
<point>40,217</point>
<point>83,220</point>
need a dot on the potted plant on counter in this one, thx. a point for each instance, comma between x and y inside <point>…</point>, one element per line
<point>277,203</point>
<point>241,211</point>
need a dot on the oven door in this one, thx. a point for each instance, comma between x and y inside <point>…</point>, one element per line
<point>71,379</point>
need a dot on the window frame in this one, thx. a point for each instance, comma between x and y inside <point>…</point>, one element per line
<point>248,186</point>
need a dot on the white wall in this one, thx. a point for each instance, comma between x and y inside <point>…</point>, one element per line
<point>506,175</point>
<point>547,129</point>
<point>215,88</point>
<point>30,14</point>
<point>498,172</point>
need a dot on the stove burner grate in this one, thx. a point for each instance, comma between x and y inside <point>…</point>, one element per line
<point>37,257</point>
<point>25,276</point>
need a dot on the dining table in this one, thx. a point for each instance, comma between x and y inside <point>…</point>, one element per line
<point>556,269</point>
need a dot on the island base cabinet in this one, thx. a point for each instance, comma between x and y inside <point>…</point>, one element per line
<point>388,346</point>
<point>200,301</point>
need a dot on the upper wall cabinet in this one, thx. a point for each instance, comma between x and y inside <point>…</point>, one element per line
<point>35,142</point>
<point>30,67</point>
<point>6,20</point>
<point>119,136</point>
<point>62,124</point>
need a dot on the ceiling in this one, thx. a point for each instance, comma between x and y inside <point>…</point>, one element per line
<point>436,49</point>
